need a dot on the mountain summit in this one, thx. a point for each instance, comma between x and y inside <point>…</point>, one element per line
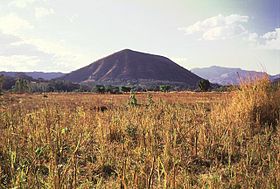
<point>128,66</point>
<point>226,76</point>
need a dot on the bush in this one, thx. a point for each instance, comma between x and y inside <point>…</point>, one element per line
<point>125,89</point>
<point>204,85</point>
<point>112,89</point>
<point>22,86</point>
<point>132,100</point>
<point>62,86</point>
<point>164,88</point>
<point>99,89</point>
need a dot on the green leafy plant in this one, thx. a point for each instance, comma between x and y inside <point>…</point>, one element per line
<point>132,100</point>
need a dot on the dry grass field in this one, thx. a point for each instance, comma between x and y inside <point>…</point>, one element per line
<point>166,140</point>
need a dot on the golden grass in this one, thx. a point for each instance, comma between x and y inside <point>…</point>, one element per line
<point>182,140</point>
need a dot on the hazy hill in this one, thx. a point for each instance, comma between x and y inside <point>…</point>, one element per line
<point>35,75</point>
<point>275,77</point>
<point>276,80</point>
<point>226,76</point>
<point>131,67</point>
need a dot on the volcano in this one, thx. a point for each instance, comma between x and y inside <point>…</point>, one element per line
<point>132,67</point>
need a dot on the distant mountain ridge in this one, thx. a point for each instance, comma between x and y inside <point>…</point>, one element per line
<point>132,67</point>
<point>35,75</point>
<point>227,76</point>
<point>275,77</point>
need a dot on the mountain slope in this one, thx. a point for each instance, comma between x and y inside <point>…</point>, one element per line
<point>128,66</point>
<point>226,76</point>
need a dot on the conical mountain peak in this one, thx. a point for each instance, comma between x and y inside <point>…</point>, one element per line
<point>127,66</point>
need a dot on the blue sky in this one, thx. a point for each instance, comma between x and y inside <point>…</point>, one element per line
<point>63,35</point>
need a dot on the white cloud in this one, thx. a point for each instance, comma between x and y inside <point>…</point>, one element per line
<point>42,12</point>
<point>11,24</point>
<point>219,27</point>
<point>6,39</point>
<point>228,27</point>
<point>73,18</point>
<point>271,40</point>
<point>30,53</point>
<point>272,35</point>
<point>224,32</point>
<point>253,37</point>
<point>16,46</point>
<point>18,62</point>
<point>56,48</point>
<point>21,3</point>
<point>68,58</point>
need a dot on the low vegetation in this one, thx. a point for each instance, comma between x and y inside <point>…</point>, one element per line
<point>25,84</point>
<point>204,85</point>
<point>155,140</point>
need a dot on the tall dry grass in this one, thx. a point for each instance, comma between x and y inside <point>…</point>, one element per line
<point>57,144</point>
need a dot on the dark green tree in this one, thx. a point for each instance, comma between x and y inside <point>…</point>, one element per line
<point>99,89</point>
<point>62,86</point>
<point>125,89</point>
<point>22,86</point>
<point>164,88</point>
<point>1,83</point>
<point>38,87</point>
<point>204,85</point>
<point>112,89</point>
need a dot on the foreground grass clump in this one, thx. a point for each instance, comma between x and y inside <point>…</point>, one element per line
<point>248,125</point>
<point>65,143</point>
<point>256,102</point>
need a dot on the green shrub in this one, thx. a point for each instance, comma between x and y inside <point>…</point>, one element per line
<point>204,85</point>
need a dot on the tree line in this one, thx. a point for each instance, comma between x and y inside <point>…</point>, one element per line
<point>26,84</point>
